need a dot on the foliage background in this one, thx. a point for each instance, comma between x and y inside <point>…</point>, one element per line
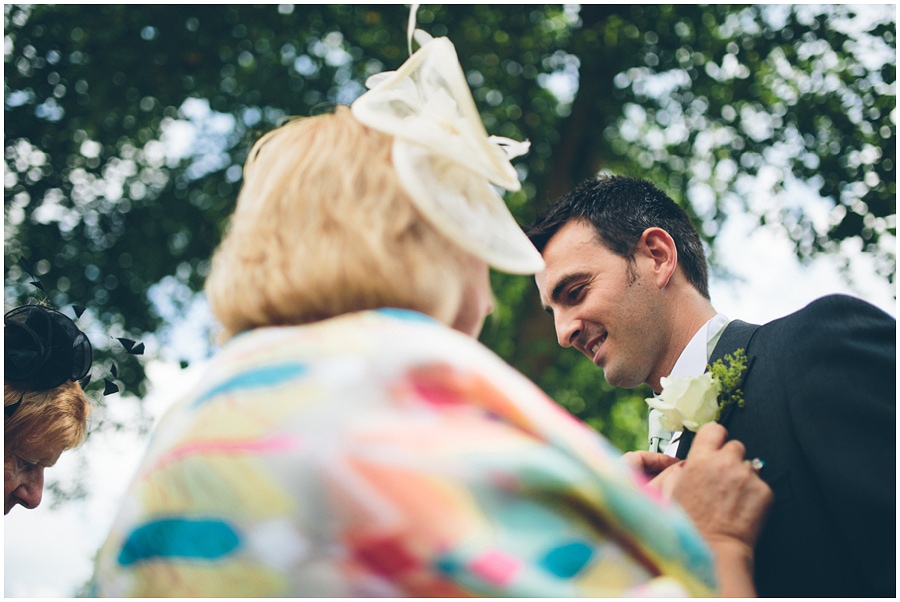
<point>126,128</point>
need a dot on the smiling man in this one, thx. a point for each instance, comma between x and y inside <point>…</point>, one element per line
<point>626,284</point>
<point>609,307</point>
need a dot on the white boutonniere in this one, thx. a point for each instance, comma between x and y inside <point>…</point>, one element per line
<point>689,402</point>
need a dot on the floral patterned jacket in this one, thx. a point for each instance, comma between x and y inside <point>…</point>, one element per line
<point>384,454</point>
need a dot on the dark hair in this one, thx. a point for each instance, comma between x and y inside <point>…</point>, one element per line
<point>620,209</point>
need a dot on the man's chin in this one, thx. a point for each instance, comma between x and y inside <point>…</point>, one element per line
<point>622,381</point>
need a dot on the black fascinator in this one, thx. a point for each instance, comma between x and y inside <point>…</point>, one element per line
<point>44,348</point>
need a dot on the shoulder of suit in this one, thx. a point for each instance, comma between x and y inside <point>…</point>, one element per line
<point>842,301</point>
<point>837,306</point>
<point>829,316</point>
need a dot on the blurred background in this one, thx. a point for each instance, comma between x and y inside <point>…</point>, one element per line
<point>126,127</point>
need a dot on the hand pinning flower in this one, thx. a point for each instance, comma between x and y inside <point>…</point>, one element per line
<point>689,402</point>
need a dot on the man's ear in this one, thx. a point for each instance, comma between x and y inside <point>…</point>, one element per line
<point>659,246</point>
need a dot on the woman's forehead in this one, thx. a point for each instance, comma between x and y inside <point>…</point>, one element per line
<point>39,452</point>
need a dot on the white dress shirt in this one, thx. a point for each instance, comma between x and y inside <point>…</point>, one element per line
<point>693,360</point>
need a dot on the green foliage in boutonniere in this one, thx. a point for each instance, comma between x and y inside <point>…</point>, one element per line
<point>728,374</point>
<point>689,402</point>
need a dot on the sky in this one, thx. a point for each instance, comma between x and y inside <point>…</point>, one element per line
<point>49,553</point>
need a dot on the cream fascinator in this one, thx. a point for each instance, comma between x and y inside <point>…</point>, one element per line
<point>443,155</point>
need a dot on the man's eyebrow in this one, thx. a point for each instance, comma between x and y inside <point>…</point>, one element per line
<point>564,282</point>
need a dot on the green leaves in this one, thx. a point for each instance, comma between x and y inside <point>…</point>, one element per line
<point>729,372</point>
<point>126,127</point>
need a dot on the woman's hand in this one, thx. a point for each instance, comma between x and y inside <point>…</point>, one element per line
<point>649,463</point>
<point>726,500</point>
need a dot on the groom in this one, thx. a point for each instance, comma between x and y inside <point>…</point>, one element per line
<point>626,284</point>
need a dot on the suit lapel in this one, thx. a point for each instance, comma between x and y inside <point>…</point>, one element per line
<point>736,336</point>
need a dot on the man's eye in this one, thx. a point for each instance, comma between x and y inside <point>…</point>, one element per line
<point>574,293</point>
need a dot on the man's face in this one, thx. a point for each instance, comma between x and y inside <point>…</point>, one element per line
<point>603,306</point>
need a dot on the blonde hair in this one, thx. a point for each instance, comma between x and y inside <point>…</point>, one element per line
<point>323,227</point>
<point>56,417</point>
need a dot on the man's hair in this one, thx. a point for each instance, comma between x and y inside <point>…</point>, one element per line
<point>55,417</point>
<point>620,209</point>
<point>323,227</point>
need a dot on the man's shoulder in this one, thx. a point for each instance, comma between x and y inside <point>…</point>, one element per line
<point>830,310</point>
<point>840,304</point>
<point>833,320</point>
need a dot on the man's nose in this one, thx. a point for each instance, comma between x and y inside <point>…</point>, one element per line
<point>568,330</point>
<point>31,491</point>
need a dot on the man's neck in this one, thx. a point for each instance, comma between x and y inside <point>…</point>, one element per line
<point>686,319</point>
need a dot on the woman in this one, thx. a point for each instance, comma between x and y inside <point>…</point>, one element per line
<point>45,409</point>
<point>352,438</point>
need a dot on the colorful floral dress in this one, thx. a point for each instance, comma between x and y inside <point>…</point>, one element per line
<point>383,454</point>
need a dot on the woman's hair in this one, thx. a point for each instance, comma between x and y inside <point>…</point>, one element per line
<point>323,227</point>
<point>55,417</point>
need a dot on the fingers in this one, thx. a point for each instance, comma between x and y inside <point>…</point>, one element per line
<point>713,437</point>
<point>635,460</point>
<point>649,463</point>
<point>656,463</point>
<point>720,490</point>
<point>735,449</point>
<point>666,481</point>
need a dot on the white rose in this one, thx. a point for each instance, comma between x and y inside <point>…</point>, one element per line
<point>687,402</point>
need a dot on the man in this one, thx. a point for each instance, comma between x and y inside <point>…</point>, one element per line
<point>626,284</point>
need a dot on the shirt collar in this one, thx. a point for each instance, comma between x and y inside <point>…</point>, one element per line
<point>693,360</point>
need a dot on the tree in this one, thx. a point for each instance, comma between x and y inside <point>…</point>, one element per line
<point>126,127</point>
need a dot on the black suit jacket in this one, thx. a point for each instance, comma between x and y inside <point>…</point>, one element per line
<point>820,411</point>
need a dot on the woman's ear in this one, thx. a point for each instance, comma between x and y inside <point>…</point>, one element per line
<point>659,246</point>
